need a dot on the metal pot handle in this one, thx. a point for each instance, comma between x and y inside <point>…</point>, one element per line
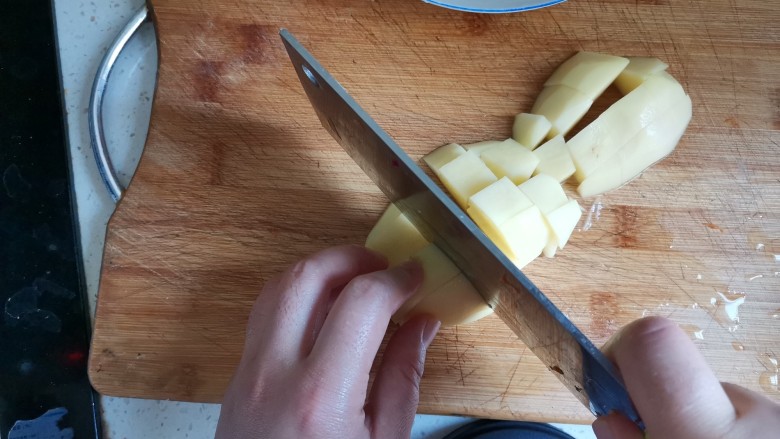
<point>96,134</point>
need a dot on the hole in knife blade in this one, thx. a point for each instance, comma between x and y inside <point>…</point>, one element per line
<point>309,74</point>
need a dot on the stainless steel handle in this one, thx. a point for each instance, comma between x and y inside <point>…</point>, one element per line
<point>96,133</point>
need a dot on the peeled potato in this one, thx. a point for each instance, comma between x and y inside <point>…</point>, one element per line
<point>604,137</point>
<point>563,221</point>
<point>510,159</point>
<point>589,73</point>
<point>443,155</point>
<point>530,129</point>
<point>395,237</point>
<point>526,235</point>
<point>465,176</point>
<point>455,303</point>
<point>445,293</point>
<point>563,106</point>
<point>637,71</point>
<point>493,206</point>
<point>545,192</point>
<point>478,147</point>
<point>554,159</point>
<point>650,145</point>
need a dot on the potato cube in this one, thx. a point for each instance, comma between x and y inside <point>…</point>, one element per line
<point>526,235</point>
<point>510,159</point>
<point>545,192</point>
<point>478,147</point>
<point>563,221</point>
<point>494,205</point>
<point>554,159</point>
<point>443,155</point>
<point>455,303</point>
<point>395,237</point>
<point>465,176</point>
<point>530,129</point>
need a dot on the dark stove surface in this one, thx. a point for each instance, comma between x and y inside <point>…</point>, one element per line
<point>44,320</point>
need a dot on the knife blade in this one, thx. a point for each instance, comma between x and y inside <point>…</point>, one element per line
<point>550,335</point>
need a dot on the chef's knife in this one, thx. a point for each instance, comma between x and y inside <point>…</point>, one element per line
<point>566,351</point>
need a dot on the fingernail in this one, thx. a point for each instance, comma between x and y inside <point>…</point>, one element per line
<point>429,332</point>
<point>602,429</point>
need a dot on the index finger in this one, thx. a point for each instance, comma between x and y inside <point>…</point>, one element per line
<point>672,387</point>
<point>353,331</point>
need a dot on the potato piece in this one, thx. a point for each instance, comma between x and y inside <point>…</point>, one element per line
<point>481,146</point>
<point>588,72</point>
<point>600,140</point>
<point>510,159</point>
<point>395,237</point>
<point>526,235</point>
<point>545,192</point>
<point>465,176</point>
<point>494,205</point>
<point>563,106</point>
<point>550,249</point>
<point>637,71</point>
<point>554,159</point>
<point>438,269</point>
<point>443,155</point>
<point>650,145</point>
<point>530,129</point>
<point>455,303</point>
<point>562,222</point>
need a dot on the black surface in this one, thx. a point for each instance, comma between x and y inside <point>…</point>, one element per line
<point>486,429</point>
<point>44,323</point>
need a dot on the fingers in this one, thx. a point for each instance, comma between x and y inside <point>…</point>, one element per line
<point>353,331</point>
<point>673,388</point>
<point>393,401</point>
<point>616,426</point>
<point>291,310</point>
<point>757,415</point>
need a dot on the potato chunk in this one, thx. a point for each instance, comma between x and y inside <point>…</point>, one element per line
<point>563,106</point>
<point>443,155</point>
<point>530,129</point>
<point>589,73</point>
<point>510,159</point>
<point>554,159</point>
<point>493,206</point>
<point>637,71</point>
<point>465,176</point>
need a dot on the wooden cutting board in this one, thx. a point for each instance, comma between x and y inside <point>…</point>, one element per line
<point>238,180</point>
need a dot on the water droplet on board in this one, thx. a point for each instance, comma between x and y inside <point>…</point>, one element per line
<point>737,346</point>
<point>698,277</point>
<point>713,301</point>
<point>594,213</point>
<point>699,334</point>
<point>758,276</point>
<point>759,246</point>
<point>731,306</point>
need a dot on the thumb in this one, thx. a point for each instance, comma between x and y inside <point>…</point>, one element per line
<point>392,404</point>
<point>673,388</point>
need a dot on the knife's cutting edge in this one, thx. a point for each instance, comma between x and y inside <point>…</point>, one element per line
<point>577,362</point>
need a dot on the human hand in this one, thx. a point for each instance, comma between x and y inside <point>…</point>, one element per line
<point>677,394</point>
<point>311,338</point>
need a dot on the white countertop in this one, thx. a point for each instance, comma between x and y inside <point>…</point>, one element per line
<point>85,30</point>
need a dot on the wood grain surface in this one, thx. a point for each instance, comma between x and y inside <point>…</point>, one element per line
<point>238,180</point>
